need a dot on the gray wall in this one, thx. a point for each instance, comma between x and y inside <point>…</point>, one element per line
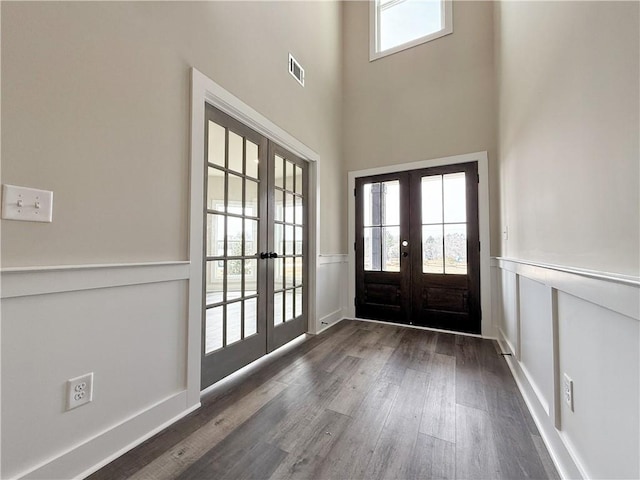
<point>433,100</point>
<point>569,126</point>
<point>96,108</point>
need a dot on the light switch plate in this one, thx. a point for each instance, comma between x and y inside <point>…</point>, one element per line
<point>26,204</point>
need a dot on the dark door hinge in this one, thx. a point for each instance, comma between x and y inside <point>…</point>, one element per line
<point>354,192</point>
<point>355,302</point>
<point>478,178</point>
<point>354,245</point>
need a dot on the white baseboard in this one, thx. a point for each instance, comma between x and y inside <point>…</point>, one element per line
<point>418,327</point>
<point>566,465</point>
<point>96,452</point>
<point>330,320</point>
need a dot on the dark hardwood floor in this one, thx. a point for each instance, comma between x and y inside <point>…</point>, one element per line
<point>360,401</point>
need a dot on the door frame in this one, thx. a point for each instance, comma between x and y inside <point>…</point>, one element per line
<point>204,90</point>
<point>487,326</point>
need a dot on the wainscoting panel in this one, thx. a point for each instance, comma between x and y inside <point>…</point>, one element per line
<point>584,324</point>
<point>331,296</point>
<point>599,351</point>
<point>509,322</point>
<point>73,321</point>
<point>536,340</point>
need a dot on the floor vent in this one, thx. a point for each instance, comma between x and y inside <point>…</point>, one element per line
<point>296,70</point>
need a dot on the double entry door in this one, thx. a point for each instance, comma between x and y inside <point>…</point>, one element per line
<point>418,249</point>
<point>255,274</point>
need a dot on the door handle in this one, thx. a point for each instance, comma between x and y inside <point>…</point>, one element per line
<point>405,254</point>
<point>264,255</point>
<point>273,255</point>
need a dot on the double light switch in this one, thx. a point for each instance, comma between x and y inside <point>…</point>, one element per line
<point>26,204</point>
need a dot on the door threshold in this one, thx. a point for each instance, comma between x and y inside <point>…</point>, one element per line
<point>418,327</point>
<point>240,374</point>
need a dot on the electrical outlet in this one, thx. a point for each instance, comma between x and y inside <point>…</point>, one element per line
<point>79,390</point>
<point>567,391</point>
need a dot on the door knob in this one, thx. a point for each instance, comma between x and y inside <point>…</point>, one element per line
<point>405,254</point>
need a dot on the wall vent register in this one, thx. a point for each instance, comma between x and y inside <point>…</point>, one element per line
<point>296,70</point>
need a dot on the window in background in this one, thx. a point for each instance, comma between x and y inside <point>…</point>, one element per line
<point>400,24</point>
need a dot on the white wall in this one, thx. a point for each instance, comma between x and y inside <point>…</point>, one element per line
<point>569,127</point>
<point>96,107</point>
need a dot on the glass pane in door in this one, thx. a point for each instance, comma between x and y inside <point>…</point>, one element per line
<point>235,152</point>
<point>217,135</point>
<point>252,160</point>
<point>381,226</point>
<point>288,239</point>
<point>455,248</point>
<point>391,249</point>
<point>432,249</point>
<point>454,198</point>
<point>213,329</point>
<point>234,320</point>
<point>250,317</point>
<point>231,239</point>
<point>444,227</point>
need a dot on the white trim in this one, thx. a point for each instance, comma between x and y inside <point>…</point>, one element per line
<point>562,456</point>
<point>375,54</point>
<point>555,359</point>
<point>418,327</point>
<point>329,320</point>
<point>146,420</point>
<point>139,441</point>
<point>325,259</point>
<point>22,282</point>
<point>506,340</point>
<point>204,90</point>
<point>488,329</point>
<point>620,293</point>
<point>333,323</point>
<point>536,390</point>
<point>518,351</point>
<point>1,282</point>
<point>596,274</point>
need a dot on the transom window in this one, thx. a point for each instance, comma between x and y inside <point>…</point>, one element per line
<point>400,24</point>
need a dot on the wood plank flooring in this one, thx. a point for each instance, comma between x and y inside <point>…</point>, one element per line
<point>360,401</point>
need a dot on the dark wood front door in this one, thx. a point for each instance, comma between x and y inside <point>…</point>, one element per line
<point>417,248</point>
